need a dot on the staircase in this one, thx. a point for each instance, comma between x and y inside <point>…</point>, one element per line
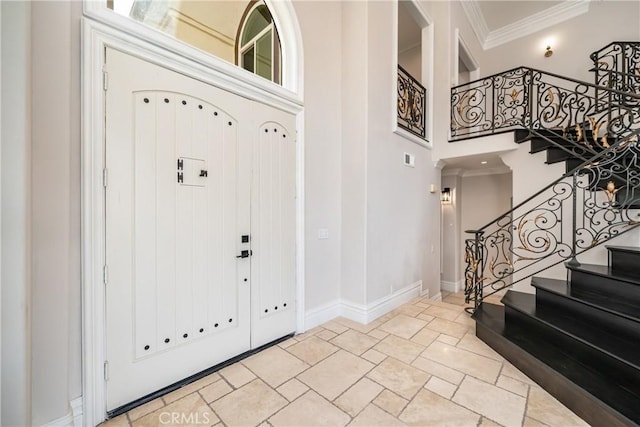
<point>578,338</point>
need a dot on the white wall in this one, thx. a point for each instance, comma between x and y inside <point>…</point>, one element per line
<point>411,60</point>
<point>55,199</point>
<point>452,234</point>
<point>15,391</point>
<point>320,24</point>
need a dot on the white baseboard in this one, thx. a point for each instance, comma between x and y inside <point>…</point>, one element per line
<point>73,417</point>
<point>361,313</point>
<point>437,297</point>
<point>451,286</point>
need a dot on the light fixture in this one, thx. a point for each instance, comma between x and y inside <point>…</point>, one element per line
<point>445,196</point>
<point>548,52</point>
<point>484,162</point>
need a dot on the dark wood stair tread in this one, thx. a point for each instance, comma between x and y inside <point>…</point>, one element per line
<point>602,388</point>
<point>623,350</point>
<point>631,249</point>
<point>605,271</point>
<point>602,302</point>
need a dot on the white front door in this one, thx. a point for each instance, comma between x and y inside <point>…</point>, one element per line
<point>178,190</point>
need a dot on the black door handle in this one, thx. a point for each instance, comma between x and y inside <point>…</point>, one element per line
<point>245,254</point>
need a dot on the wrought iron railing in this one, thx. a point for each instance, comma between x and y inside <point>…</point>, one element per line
<point>532,99</point>
<point>412,104</point>
<point>617,66</point>
<point>598,200</point>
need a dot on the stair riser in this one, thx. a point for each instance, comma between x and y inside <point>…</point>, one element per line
<point>517,323</point>
<point>604,320</point>
<point>582,403</point>
<point>623,262</point>
<point>609,287</point>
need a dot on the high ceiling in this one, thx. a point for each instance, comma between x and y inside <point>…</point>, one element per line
<point>497,14</point>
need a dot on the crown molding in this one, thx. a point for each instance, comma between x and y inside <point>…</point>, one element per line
<point>476,19</point>
<point>498,170</point>
<point>523,27</point>
<point>452,172</point>
<point>536,22</point>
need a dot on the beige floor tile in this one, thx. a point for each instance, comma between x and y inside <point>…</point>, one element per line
<point>391,402</point>
<point>530,422</point>
<point>448,306</point>
<point>335,374</point>
<point>409,310</point>
<point>310,409</point>
<point>492,402</point>
<point>190,388</point>
<point>354,341</point>
<point>439,370</point>
<point>335,327</point>
<point>249,405</point>
<point>425,317</point>
<point>486,422</point>
<point>442,387</point>
<point>545,408</point>
<point>448,327</point>
<point>464,361</point>
<point>399,377</point>
<point>425,337</point>
<point>190,410</point>
<point>399,348</point>
<point>374,356</point>
<point>288,343</point>
<point>511,371</point>
<point>472,343</point>
<point>312,350</point>
<point>372,416</point>
<point>465,319</point>
<point>365,329</point>
<point>288,366</point>
<point>430,409</point>
<point>215,391</point>
<point>358,396</point>
<point>448,339</point>
<point>292,389</point>
<point>442,312</point>
<point>326,335</point>
<point>378,334</point>
<point>119,421</point>
<point>514,386</point>
<point>309,333</point>
<point>237,375</point>
<point>403,326</point>
<point>145,409</point>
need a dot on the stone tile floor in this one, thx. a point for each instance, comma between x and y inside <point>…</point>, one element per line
<point>419,365</point>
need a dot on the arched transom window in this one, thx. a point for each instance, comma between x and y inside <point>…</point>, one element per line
<point>258,46</point>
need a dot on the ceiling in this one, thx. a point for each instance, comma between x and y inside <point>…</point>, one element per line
<point>497,14</point>
<point>474,164</point>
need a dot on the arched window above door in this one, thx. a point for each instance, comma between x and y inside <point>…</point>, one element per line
<point>258,44</point>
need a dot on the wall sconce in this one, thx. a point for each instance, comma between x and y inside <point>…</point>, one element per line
<point>445,196</point>
<point>548,52</point>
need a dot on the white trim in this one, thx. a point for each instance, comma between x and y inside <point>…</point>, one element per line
<point>452,172</point>
<point>451,286</point>
<point>363,313</point>
<point>76,412</point>
<point>476,19</point>
<point>536,22</point>
<point>424,293</point>
<point>130,37</point>
<point>437,297</point>
<point>498,170</point>
<point>466,57</point>
<point>411,137</point>
<point>523,27</point>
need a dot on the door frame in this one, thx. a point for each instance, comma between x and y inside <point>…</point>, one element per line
<point>175,56</point>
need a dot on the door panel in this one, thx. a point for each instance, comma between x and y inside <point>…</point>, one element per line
<point>177,203</point>
<point>273,219</point>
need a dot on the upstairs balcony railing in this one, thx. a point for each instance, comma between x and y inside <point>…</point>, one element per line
<point>412,102</point>
<point>532,99</point>
<point>617,66</point>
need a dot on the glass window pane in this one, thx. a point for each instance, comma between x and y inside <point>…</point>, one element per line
<point>257,21</point>
<point>264,56</point>
<point>247,59</point>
